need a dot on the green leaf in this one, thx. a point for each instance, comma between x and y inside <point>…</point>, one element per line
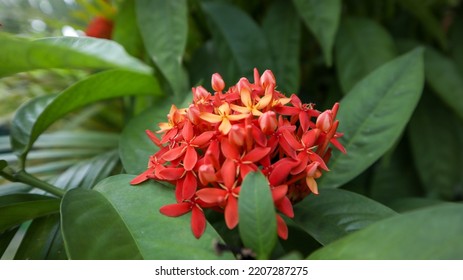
<point>164,28</point>
<point>18,208</point>
<point>373,115</point>
<point>20,54</point>
<point>128,224</point>
<point>240,42</point>
<point>3,164</point>
<point>282,26</point>
<point>413,203</point>
<point>423,13</point>
<point>126,30</point>
<point>438,168</point>
<point>322,18</point>
<point>361,46</point>
<point>36,116</point>
<point>38,238</point>
<point>135,147</point>
<point>433,233</point>
<point>335,213</point>
<point>445,79</point>
<point>93,229</point>
<point>5,239</point>
<point>257,217</point>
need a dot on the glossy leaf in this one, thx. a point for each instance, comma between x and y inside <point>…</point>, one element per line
<point>443,75</point>
<point>361,46</point>
<point>335,213</point>
<point>126,31</point>
<point>257,217</point>
<point>240,42</point>
<point>406,204</point>
<point>38,238</point>
<point>135,147</point>
<point>93,229</point>
<point>420,235</point>
<point>439,169</point>
<point>36,116</point>
<point>282,28</point>
<point>134,213</point>
<point>366,119</point>
<point>18,208</point>
<point>20,54</point>
<point>322,18</point>
<point>164,27</point>
<point>5,239</point>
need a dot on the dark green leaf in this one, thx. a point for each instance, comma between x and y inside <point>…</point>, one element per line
<point>423,13</point>
<point>135,147</point>
<point>456,43</point>
<point>133,211</point>
<point>281,25</point>
<point>436,141</point>
<point>422,234</point>
<point>412,203</point>
<point>361,46</point>
<point>18,208</point>
<point>126,30</point>
<point>20,54</point>
<point>3,164</point>
<point>164,28</point>
<point>373,115</point>
<point>239,40</point>
<point>444,77</point>
<point>257,217</point>
<point>93,229</point>
<point>322,18</point>
<point>335,213</point>
<point>38,238</point>
<point>5,239</point>
<point>34,117</point>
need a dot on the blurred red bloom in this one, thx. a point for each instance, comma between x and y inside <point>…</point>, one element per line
<point>207,149</point>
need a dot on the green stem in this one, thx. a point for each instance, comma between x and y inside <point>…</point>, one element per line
<point>26,178</point>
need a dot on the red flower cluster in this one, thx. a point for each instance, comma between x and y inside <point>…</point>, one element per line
<point>100,27</point>
<point>207,149</point>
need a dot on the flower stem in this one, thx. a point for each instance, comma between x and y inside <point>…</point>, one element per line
<point>26,178</point>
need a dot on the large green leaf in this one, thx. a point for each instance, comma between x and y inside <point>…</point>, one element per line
<point>164,28</point>
<point>322,18</point>
<point>240,42</point>
<point>361,46</point>
<point>373,115</point>
<point>281,25</point>
<point>444,77</point>
<point>335,213</point>
<point>18,208</point>
<point>20,54</point>
<point>5,239</point>
<point>126,31</point>
<point>36,242</point>
<point>126,223</point>
<point>36,116</point>
<point>93,229</point>
<point>438,168</point>
<point>257,217</point>
<point>135,147</point>
<point>3,164</point>
<point>432,233</point>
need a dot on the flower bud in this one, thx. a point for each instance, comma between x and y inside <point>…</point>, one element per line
<point>237,135</point>
<point>267,79</point>
<point>268,122</point>
<point>217,82</point>
<point>206,174</point>
<point>325,121</point>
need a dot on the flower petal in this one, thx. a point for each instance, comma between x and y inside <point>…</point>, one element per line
<point>225,126</point>
<point>285,207</point>
<point>189,186</point>
<point>231,212</point>
<point>142,177</point>
<point>229,151</point>
<point>256,154</point>
<point>190,159</point>
<point>174,153</point>
<point>203,138</point>
<point>279,192</point>
<point>171,173</point>
<point>282,228</point>
<point>228,172</point>
<point>198,222</point>
<point>177,209</point>
<point>212,195</point>
<point>312,184</point>
<point>209,117</point>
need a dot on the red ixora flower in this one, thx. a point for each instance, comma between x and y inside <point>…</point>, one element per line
<point>207,149</point>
